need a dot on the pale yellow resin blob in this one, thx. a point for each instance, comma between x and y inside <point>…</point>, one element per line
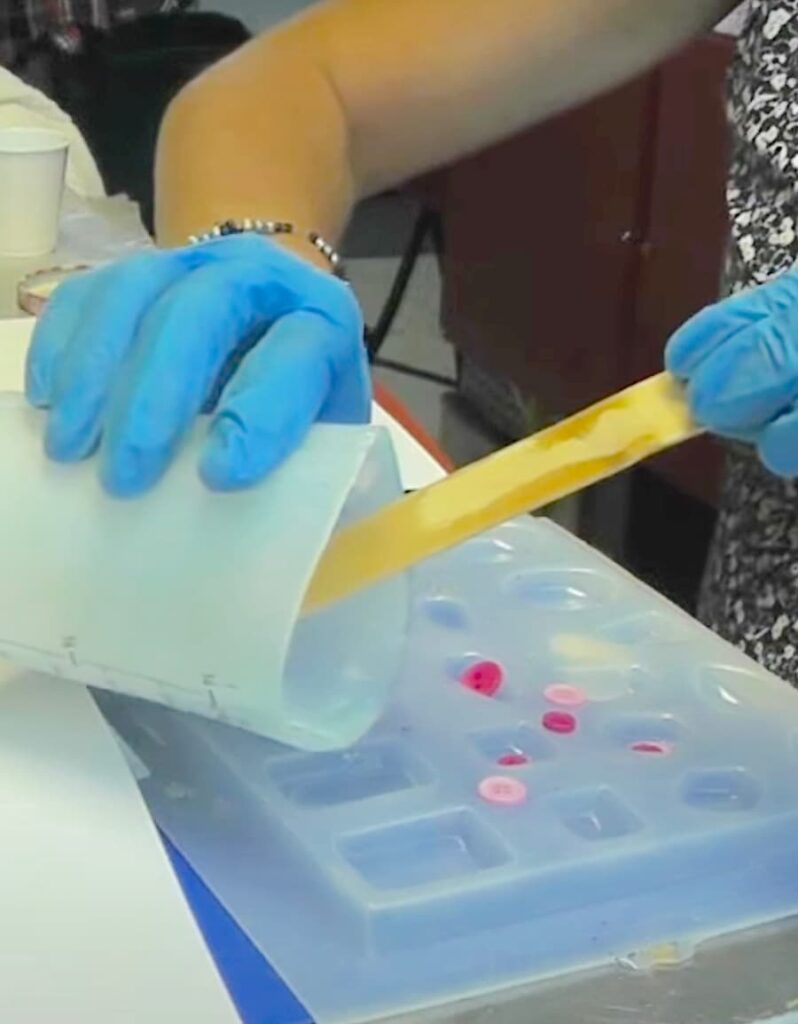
<point>589,650</point>
<point>600,668</point>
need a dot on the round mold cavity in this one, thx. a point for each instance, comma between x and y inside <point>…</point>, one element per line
<point>721,790</point>
<point>476,672</point>
<point>446,612</point>
<point>561,590</point>
<point>565,695</point>
<point>562,722</point>
<point>483,677</point>
<point>734,689</point>
<point>460,663</point>
<point>502,790</point>
<point>490,550</point>
<point>654,747</point>
<point>512,760</point>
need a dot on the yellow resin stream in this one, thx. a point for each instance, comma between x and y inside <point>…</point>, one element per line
<point>591,445</point>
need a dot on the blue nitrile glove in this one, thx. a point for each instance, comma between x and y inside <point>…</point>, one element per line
<point>126,356</point>
<point>740,361</point>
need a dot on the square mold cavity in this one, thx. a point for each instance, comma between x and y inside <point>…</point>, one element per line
<point>435,849</point>
<point>325,780</point>
<point>596,814</point>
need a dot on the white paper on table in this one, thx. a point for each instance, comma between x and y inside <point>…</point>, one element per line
<point>94,928</point>
<point>93,925</point>
<point>14,339</point>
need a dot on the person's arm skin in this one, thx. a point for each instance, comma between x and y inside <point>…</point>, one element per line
<point>359,95</point>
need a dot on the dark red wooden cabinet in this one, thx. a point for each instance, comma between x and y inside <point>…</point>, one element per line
<point>574,250</point>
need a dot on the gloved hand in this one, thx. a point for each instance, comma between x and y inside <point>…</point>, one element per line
<point>126,356</point>
<point>740,361</point>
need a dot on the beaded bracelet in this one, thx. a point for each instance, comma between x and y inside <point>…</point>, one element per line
<point>269,228</point>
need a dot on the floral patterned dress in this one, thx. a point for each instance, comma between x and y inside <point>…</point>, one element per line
<point>750,592</point>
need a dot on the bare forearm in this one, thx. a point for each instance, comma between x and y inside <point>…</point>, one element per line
<point>362,94</point>
<point>262,135</point>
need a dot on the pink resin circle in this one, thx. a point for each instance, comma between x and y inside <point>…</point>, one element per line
<point>513,759</point>
<point>652,747</point>
<point>484,677</point>
<point>499,789</point>
<point>565,695</point>
<point>559,721</point>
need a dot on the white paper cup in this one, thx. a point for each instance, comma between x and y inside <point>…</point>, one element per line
<point>32,168</point>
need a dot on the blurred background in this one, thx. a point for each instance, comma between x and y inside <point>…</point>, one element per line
<point>471,327</point>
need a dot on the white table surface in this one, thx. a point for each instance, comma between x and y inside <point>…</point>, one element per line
<point>85,885</point>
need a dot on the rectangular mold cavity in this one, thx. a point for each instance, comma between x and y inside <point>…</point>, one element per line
<point>596,814</point>
<point>495,744</point>
<point>329,779</point>
<point>627,730</point>
<point>447,846</point>
<point>721,789</point>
